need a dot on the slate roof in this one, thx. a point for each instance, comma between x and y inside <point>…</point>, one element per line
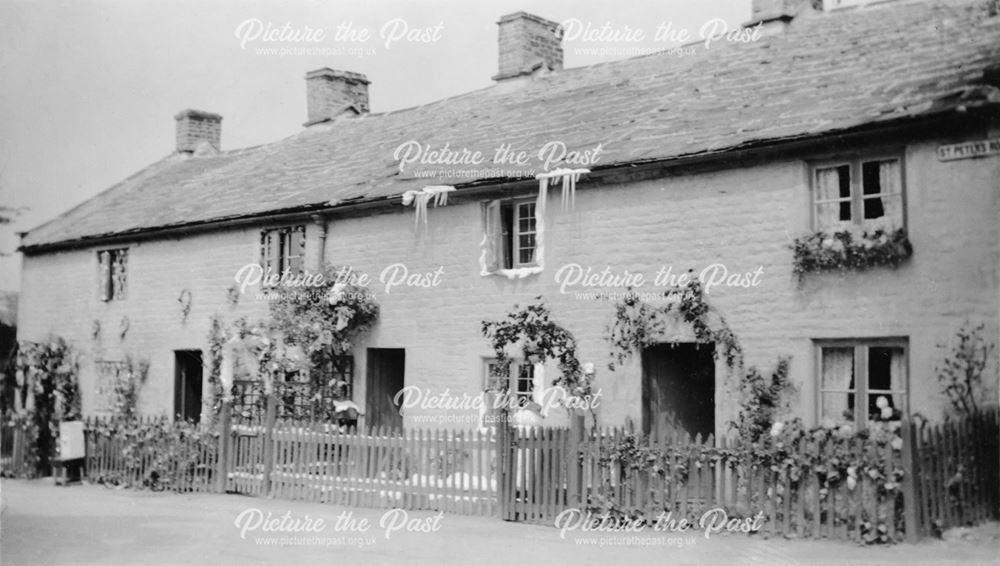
<point>826,73</point>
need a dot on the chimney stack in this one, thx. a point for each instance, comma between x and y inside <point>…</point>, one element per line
<point>774,15</point>
<point>197,128</point>
<point>330,92</point>
<point>526,44</point>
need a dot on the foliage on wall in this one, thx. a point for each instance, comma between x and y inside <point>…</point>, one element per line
<point>325,321</point>
<point>961,371</point>
<point>306,330</point>
<point>762,400</point>
<point>49,371</point>
<point>216,340</point>
<point>540,339</point>
<point>638,325</point>
<point>185,301</point>
<point>127,387</point>
<point>850,249</point>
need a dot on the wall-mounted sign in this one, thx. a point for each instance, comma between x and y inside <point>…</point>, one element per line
<point>966,150</point>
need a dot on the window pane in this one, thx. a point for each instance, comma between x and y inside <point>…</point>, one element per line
<point>870,181</point>
<point>104,275</point>
<point>838,407</point>
<point>838,368</point>
<point>526,254</point>
<point>119,268</point>
<point>833,215</point>
<point>886,368</point>
<point>507,223</point>
<point>884,212</point>
<point>525,377</point>
<point>882,178</point>
<point>833,182</point>
<point>885,406</point>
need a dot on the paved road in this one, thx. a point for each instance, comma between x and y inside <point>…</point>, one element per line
<point>43,524</point>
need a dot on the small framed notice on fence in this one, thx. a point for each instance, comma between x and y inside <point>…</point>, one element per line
<point>71,440</point>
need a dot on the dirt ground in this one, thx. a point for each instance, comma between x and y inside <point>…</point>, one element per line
<point>44,524</point>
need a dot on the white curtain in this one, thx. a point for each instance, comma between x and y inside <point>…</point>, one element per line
<point>892,198</point>
<point>827,188</point>
<point>837,374</point>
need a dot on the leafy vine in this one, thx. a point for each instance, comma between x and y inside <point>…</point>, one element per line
<point>540,339</point>
<point>638,325</point>
<point>762,400</point>
<point>127,387</point>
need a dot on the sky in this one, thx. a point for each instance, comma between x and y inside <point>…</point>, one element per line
<point>89,89</point>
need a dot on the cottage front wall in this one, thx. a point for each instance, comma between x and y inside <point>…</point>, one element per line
<point>744,219</point>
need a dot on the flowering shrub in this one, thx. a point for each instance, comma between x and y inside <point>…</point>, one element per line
<point>850,249</point>
<point>763,399</point>
<point>638,325</point>
<point>325,320</point>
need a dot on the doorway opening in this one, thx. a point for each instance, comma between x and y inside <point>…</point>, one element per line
<point>187,385</point>
<point>678,389</point>
<point>385,378</point>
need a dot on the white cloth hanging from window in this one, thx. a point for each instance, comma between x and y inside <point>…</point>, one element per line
<point>565,177</point>
<point>421,198</point>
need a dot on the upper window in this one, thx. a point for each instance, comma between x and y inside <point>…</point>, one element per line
<point>520,380</point>
<point>112,274</point>
<point>513,238</point>
<point>283,249</point>
<point>858,193</point>
<point>862,381</point>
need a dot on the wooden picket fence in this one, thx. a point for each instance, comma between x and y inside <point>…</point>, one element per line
<point>692,477</point>
<point>824,486</point>
<point>151,452</point>
<point>935,477</point>
<point>957,472</point>
<point>538,467</point>
<point>16,460</point>
<point>448,471</point>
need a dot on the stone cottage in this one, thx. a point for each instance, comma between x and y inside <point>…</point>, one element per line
<point>879,120</point>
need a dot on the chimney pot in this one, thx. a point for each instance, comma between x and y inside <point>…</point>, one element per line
<point>526,43</point>
<point>196,128</point>
<point>330,92</point>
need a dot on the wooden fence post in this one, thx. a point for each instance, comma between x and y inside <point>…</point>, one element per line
<point>911,493</point>
<point>504,466</point>
<point>267,437</point>
<point>225,439</point>
<point>574,467</point>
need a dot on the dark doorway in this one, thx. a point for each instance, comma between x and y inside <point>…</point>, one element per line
<point>385,380</point>
<point>678,389</point>
<point>187,385</point>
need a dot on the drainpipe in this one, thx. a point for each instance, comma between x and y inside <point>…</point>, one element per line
<point>320,223</point>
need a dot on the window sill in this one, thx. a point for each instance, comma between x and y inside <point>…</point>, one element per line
<point>517,272</point>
